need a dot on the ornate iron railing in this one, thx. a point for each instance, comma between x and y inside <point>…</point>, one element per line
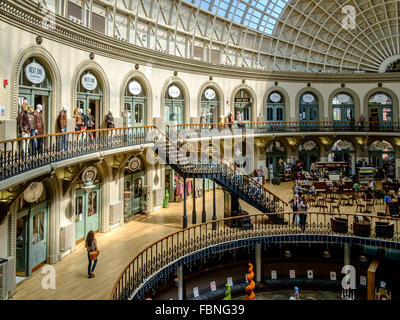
<point>360,229</point>
<point>203,129</point>
<point>24,154</point>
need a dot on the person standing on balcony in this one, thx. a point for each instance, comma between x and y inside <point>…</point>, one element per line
<point>32,126</point>
<point>38,125</point>
<point>230,120</point>
<point>62,122</point>
<point>89,122</point>
<point>110,123</point>
<point>303,216</point>
<point>91,245</point>
<point>24,124</point>
<point>295,205</point>
<point>239,119</point>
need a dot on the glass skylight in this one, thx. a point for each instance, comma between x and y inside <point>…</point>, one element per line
<point>260,15</point>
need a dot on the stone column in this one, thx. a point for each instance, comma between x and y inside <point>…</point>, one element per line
<point>347,254</point>
<point>258,261</point>
<point>179,282</point>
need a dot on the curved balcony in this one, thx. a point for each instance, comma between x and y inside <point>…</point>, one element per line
<point>159,259</point>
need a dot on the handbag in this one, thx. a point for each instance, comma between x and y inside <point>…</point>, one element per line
<point>93,254</point>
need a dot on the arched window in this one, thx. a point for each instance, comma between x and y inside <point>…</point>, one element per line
<point>243,105</point>
<point>309,153</point>
<point>380,107</point>
<point>35,88</point>
<point>381,155</point>
<point>209,106</point>
<point>343,111</point>
<point>134,104</point>
<point>174,105</point>
<point>90,96</point>
<point>275,109</point>
<point>308,111</point>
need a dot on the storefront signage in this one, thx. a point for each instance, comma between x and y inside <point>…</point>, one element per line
<point>134,164</point>
<point>135,88</point>
<point>343,98</point>
<point>35,73</point>
<point>33,192</point>
<point>308,98</point>
<point>381,146</point>
<point>210,94</point>
<point>174,92</point>
<point>242,100</point>
<point>309,145</point>
<point>89,82</point>
<point>381,98</point>
<point>331,165</point>
<point>275,97</point>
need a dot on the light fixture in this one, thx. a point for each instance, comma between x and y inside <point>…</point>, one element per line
<point>363,259</point>
<point>288,254</point>
<point>326,254</point>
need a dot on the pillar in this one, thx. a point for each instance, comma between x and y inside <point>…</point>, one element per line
<point>184,205</point>
<point>194,202</point>
<point>347,254</point>
<point>204,213</point>
<point>179,282</point>
<point>258,262</point>
<point>214,226</point>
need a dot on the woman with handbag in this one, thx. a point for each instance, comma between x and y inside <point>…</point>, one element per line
<point>93,252</point>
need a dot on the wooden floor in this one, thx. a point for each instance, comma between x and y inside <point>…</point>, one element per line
<point>119,246</point>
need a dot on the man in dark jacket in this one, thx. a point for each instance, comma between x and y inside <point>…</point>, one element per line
<point>38,125</point>
<point>24,124</point>
<point>62,122</point>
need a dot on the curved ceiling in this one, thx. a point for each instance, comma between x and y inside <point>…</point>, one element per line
<point>281,35</point>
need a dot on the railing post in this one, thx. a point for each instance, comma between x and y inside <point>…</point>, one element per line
<point>204,213</point>
<point>214,225</point>
<point>184,204</point>
<point>194,202</point>
<point>258,261</point>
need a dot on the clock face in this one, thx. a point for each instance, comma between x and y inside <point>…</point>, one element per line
<point>33,192</point>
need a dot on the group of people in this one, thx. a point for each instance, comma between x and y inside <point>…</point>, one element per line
<point>30,124</point>
<point>227,121</point>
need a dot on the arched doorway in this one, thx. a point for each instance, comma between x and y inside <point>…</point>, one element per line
<point>90,97</point>
<point>35,87</point>
<point>134,183</point>
<point>243,104</point>
<point>275,111</point>
<point>276,155</point>
<point>174,105</point>
<point>380,106</point>
<point>209,106</point>
<point>135,104</point>
<point>308,111</point>
<point>381,156</point>
<point>343,112</point>
<point>344,151</point>
<point>309,153</point>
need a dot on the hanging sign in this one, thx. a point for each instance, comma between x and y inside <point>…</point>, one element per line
<point>230,281</point>
<point>209,94</point>
<point>309,145</point>
<point>89,82</point>
<point>242,100</point>
<point>310,274</point>
<point>196,292</point>
<point>35,73</point>
<point>308,98</point>
<point>174,91</point>
<point>274,275</point>
<point>381,98</point>
<point>135,88</point>
<point>213,286</point>
<point>275,97</point>
<point>292,274</point>
<point>333,275</point>
<point>343,98</point>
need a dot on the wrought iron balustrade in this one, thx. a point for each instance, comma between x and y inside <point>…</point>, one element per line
<point>24,154</point>
<point>145,271</point>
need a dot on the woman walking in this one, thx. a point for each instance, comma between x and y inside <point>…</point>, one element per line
<point>91,245</point>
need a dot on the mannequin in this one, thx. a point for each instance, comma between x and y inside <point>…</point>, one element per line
<point>33,131</point>
<point>23,124</point>
<point>89,122</point>
<point>38,125</point>
<point>62,121</point>
<point>110,123</point>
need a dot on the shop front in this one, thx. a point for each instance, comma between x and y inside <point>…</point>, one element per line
<point>243,106</point>
<point>309,153</point>
<point>380,107</point>
<point>90,97</point>
<point>32,230</point>
<point>276,156</point>
<point>134,187</point>
<point>87,204</point>
<point>381,156</point>
<point>344,151</point>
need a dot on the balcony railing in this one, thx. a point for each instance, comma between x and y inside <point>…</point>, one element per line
<point>24,154</point>
<point>361,229</point>
<point>286,127</point>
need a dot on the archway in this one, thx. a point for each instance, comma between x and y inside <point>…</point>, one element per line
<point>381,156</point>
<point>344,151</point>
<point>276,155</point>
<point>309,153</point>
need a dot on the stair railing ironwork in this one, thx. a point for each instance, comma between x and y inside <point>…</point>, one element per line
<point>316,228</point>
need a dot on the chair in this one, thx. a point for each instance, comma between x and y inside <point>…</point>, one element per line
<point>362,227</point>
<point>370,205</point>
<point>384,230</point>
<point>336,206</point>
<point>360,205</point>
<point>339,225</point>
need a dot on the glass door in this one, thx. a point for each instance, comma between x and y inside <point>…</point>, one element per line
<point>275,113</point>
<point>22,243</point>
<point>137,193</point>
<point>93,204</point>
<point>38,230</point>
<point>87,212</point>
<point>79,217</point>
